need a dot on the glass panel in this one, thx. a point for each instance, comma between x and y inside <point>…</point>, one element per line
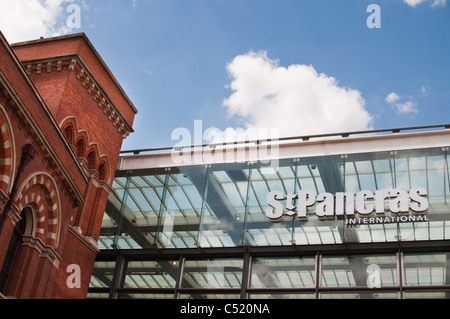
<point>375,233</point>
<point>426,269</point>
<point>360,295</point>
<point>129,295</point>
<point>212,273</point>
<point>365,174</point>
<point>383,173</point>
<point>151,274</point>
<point>224,214</point>
<point>435,168</point>
<point>351,178</point>
<point>282,296</point>
<point>97,295</point>
<point>371,271</point>
<point>298,272</point>
<point>306,178</point>
<point>102,274</point>
<point>427,295</point>
<point>402,179</point>
<point>234,210</point>
<point>209,296</point>
<point>108,230</point>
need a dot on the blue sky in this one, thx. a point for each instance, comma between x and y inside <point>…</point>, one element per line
<point>305,67</point>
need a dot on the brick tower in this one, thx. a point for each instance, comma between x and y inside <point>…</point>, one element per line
<point>63,117</point>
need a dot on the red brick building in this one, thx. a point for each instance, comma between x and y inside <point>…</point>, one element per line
<point>63,117</point>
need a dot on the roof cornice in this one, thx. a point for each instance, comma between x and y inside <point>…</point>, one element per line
<point>83,36</point>
<point>74,63</point>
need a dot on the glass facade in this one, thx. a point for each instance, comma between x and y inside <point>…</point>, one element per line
<point>201,231</point>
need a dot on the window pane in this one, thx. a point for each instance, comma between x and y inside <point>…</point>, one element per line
<point>151,274</point>
<point>209,296</point>
<point>360,295</point>
<point>102,274</point>
<point>427,295</point>
<point>298,272</point>
<point>371,271</point>
<point>145,296</point>
<point>426,269</point>
<point>212,273</point>
<point>282,296</point>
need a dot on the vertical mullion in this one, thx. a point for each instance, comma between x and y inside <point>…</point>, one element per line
<point>344,189</point>
<point>446,177</point>
<point>122,211</point>
<point>202,209</point>
<point>118,276</point>
<point>296,160</point>
<point>246,273</point>
<point>179,278</point>
<point>400,266</point>
<point>161,209</point>
<point>318,273</point>
<point>247,195</point>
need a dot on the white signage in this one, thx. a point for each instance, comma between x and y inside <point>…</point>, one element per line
<point>364,203</point>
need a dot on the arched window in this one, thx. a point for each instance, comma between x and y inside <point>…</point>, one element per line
<point>68,133</point>
<point>80,148</point>
<point>12,252</point>
<point>102,172</point>
<point>91,160</point>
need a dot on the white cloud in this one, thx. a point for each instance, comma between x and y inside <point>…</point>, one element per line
<point>436,3</point>
<point>413,3</point>
<point>30,19</point>
<point>392,97</point>
<point>425,90</point>
<point>296,100</point>
<point>439,3</point>
<point>401,107</point>
<point>406,107</point>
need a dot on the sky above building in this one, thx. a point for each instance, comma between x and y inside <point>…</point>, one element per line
<point>225,68</point>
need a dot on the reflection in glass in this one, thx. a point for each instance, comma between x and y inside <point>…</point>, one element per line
<point>208,296</point>
<point>279,277</point>
<point>212,273</point>
<point>223,205</point>
<point>372,271</point>
<point>223,216</point>
<point>102,274</point>
<point>145,296</point>
<point>360,295</point>
<point>426,269</point>
<point>151,274</point>
<point>427,295</point>
<point>282,296</point>
<point>296,272</point>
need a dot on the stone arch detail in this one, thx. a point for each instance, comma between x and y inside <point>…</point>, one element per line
<point>86,149</point>
<point>40,191</point>
<point>80,146</point>
<point>104,168</point>
<point>7,153</point>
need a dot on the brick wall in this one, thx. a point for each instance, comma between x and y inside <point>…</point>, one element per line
<point>58,96</point>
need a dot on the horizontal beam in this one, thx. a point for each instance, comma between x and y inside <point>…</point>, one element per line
<point>281,150</point>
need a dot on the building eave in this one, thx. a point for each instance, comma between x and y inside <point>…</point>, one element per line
<point>92,48</point>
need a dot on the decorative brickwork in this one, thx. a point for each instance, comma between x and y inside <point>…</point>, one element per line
<point>63,118</point>
<point>87,81</point>
<point>87,152</point>
<point>6,152</point>
<point>40,193</point>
